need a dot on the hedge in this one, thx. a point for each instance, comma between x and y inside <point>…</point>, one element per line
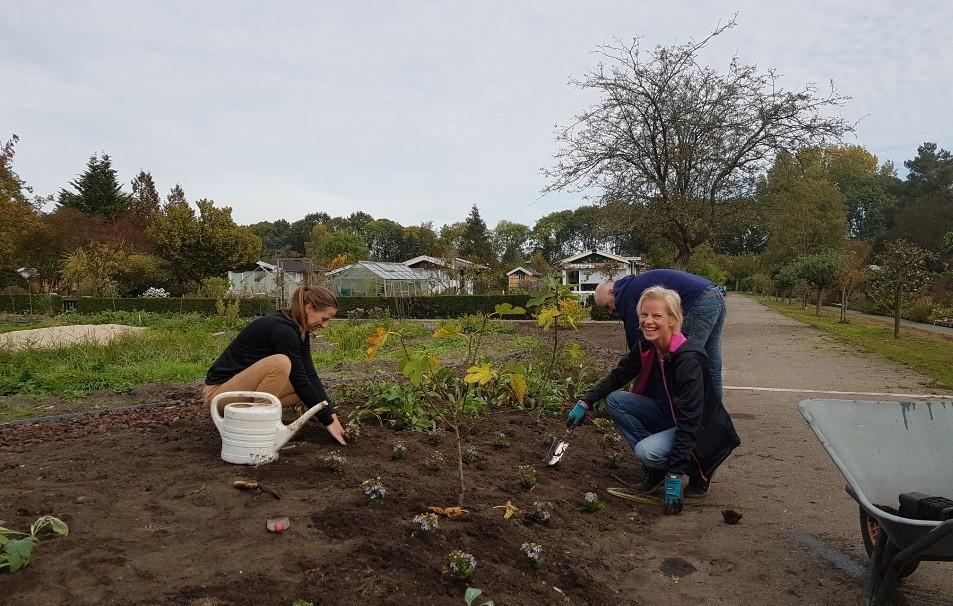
<point>37,304</point>
<point>599,313</point>
<point>247,307</point>
<point>438,306</point>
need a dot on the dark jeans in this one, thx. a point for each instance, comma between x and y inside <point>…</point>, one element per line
<point>703,324</point>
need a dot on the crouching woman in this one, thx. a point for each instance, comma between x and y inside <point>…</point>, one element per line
<point>672,418</point>
<point>273,354</point>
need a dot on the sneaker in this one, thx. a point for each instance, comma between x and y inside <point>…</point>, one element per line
<point>697,487</point>
<point>652,480</point>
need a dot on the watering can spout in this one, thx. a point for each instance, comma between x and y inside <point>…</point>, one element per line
<point>285,432</point>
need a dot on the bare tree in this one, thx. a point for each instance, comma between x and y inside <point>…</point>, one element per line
<point>682,141</point>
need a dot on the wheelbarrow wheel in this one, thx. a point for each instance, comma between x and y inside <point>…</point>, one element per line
<point>869,531</point>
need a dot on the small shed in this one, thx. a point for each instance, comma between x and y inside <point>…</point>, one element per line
<point>378,279</point>
<point>524,278</point>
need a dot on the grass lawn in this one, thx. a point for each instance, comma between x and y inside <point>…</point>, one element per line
<point>927,353</point>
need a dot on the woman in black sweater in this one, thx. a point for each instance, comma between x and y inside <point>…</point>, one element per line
<point>273,354</point>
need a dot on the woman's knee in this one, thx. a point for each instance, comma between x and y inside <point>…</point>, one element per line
<point>647,452</point>
<point>616,399</point>
<point>278,364</point>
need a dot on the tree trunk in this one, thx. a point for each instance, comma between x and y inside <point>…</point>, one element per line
<point>896,313</point>
<point>456,431</point>
<point>843,305</point>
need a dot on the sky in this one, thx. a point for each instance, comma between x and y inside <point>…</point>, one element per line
<point>410,110</point>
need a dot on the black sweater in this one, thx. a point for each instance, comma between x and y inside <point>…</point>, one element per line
<point>267,336</point>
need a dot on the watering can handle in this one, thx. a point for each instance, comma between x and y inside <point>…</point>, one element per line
<point>255,395</point>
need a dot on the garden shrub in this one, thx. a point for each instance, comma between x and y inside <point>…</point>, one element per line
<point>247,307</point>
<point>920,309</point>
<point>438,306</point>
<point>37,304</point>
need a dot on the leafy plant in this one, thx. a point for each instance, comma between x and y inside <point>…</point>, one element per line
<point>374,489</point>
<point>527,476</point>
<point>399,451</point>
<point>426,523</point>
<point>540,513</point>
<point>452,401</point>
<point>460,565</point>
<point>470,455</point>
<point>334,462</point>
<point>534,554</point>
<point>472,594</point>
<point>591,503</point>
<point>17,547</point>
<point>556,307</point>
<point>603,425</point>
<point>434,462</point>
<point>500,441</point>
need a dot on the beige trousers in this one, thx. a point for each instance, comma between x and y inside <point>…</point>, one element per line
<point>271,374</point>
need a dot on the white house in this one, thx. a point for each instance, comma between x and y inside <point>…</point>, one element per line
<point>271,280</point>
<point>447,276</point>
<point>584,271</point>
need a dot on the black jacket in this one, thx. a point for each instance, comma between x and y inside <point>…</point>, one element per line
<point>704,435</point>
<point>267,336</point>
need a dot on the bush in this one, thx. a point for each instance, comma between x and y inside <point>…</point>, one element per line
<point>247,307</point>
<point>37,304</point>
<point>920,309</point>
<point>439,306</point>
<point>600,313</point>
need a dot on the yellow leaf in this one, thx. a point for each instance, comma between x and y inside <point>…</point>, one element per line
<point>376,341</point>
<point>518,383</point>
<point>511,510</point>
<point>481,373</point>
<point>547,316</point>
<point>451,329</point>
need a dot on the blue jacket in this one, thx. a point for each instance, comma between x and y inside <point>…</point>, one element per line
<point>628,290</point>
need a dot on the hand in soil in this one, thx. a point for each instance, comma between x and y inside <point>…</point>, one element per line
<point>337,431</point>
<point>731,516</point>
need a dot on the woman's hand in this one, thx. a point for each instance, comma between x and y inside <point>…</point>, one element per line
<point>337,430</point>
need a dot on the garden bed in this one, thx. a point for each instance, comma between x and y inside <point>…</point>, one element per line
<point>154,517</point>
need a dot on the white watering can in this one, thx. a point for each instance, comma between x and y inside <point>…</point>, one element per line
<point>252,431</point>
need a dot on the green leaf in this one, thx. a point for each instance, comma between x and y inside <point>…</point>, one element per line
<point>18,552</point>
<point>471,594</point>
<point>451,329</point>
<point>507,309</point>
<point>547,316</point>
<point>515,368</point>
<point>419,367</point>
<point>59,526</point>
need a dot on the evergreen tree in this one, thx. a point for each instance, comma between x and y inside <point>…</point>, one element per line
<point>97,190</point>
<point>145,198</point>
<point>475,244</point>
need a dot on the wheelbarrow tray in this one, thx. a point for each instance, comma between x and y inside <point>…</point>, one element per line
<point>884,449</point>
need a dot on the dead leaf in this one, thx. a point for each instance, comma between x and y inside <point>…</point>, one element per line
<point>450,512</point>
<point>511,510</point>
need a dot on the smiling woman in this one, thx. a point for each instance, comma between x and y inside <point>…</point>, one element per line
<point>273,355</point>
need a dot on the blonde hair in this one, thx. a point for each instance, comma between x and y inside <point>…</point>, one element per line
<point>671,299</point>
<point>317,296</point>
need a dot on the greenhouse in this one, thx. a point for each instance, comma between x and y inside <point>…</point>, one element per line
<point>378,279</point>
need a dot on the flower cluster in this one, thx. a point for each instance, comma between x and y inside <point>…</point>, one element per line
<point>374,489</point>
<point>434,462</point>
<point>398,451</point>
<point>591,502</point>
<point>533,553</point>
<point>334,461</point>
<point>460,565</point>
<point>470,455</point>
<point>156,292</point>
<point>527,476</point>
<point>499,440</point>
<point>353,429</point>
<point>540,512</point>
<point>426,522</point>
<point>613,439</point>
<point>615,459</point>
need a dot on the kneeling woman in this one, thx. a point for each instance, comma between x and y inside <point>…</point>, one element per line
<point>273,354</point>
<point>672,418</point>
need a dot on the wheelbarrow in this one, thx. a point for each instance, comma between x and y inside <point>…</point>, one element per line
<point>884,449</point>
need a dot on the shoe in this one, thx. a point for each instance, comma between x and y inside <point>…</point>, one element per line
<point>652,480</point>
<point>697,487</point>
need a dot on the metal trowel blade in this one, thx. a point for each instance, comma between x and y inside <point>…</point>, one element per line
<point>558,453</point>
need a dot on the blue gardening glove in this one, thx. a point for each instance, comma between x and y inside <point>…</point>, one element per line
<point>577,414</point>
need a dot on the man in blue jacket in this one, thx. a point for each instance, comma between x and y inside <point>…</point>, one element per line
<point>702,304</point>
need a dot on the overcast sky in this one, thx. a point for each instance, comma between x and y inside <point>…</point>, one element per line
<point>409,110</point>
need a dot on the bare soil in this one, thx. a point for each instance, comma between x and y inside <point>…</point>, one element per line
<point>154,518</point>
<point>62,336</point>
